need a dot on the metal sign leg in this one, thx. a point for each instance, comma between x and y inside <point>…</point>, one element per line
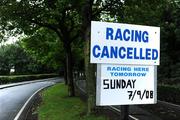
<point>124,112</point>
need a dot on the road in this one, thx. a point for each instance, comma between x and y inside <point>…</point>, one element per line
<point>12,99</point>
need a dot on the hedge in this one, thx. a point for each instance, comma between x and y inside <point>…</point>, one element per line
<point>21,78</point>
<point>169,93</point>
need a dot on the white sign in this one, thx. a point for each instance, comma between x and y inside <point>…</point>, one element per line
<point>124,44</point>
<point>126,84</point>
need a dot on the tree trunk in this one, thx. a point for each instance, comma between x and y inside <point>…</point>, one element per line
<point>89,68</point>
<point>65,73</point>
<point>65,38</point>
<point>90,77</point>
<point>69,67</point>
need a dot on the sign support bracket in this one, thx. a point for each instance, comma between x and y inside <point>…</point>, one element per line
<point>124,112</point>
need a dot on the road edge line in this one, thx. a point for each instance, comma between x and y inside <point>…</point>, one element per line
<point>29,99</point>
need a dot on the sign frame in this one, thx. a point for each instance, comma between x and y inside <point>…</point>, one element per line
<point>137,51</point>
<point>115,99</point>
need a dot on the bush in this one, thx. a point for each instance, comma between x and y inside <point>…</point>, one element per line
<point>21,78</point>
<point>169,93</point>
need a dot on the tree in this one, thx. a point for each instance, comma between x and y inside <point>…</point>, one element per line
<point>13,56</point>
<point>93,10</point>
<point>47,49</point>
<point>5,58</point>
<point>59,16</point>
<point>89,68</point>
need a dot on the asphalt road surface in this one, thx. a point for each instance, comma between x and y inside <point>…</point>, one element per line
<point>12,99</point>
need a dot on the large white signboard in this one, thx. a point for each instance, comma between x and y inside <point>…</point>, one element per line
<point>125,84</point>
<point>117,43</point>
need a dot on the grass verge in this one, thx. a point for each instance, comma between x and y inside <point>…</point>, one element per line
<point>57,105</point>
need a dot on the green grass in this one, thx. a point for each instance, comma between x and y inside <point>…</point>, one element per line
<point>57,105</point>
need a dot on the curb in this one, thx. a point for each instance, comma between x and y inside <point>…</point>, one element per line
<point>20,115</point>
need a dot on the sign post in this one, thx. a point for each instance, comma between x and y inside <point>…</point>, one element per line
<point>124,112</point>
<point>127,57</point>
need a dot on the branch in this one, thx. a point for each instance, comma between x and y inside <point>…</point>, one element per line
<point>49,26</point>
<point>75,36</point>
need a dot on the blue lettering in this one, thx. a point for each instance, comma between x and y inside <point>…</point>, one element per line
<point>109,33</point>
<point>154,54</point>
<point>135,54</point>
<point>145,37</point>
<point>126,35</point>
<point>118,34</point>
<point>95,53</point>
<point>114,69</point>
<point>129,53</point>
<point>108,68</point>
<point>120,52</point>
<point>137,36</point>
<point>148,54</point>
<point>124,53</point>
<point>114,52</point>
<point>141,54</point>
<point>132,35</point>
<point>105,52</point>
<point>143,74</point>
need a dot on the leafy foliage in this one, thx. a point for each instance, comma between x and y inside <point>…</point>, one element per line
<point>59,16</point>
<point>13,56</point>
<point>28,16</point>
<point>164,14</point>
<point>45,47</point>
